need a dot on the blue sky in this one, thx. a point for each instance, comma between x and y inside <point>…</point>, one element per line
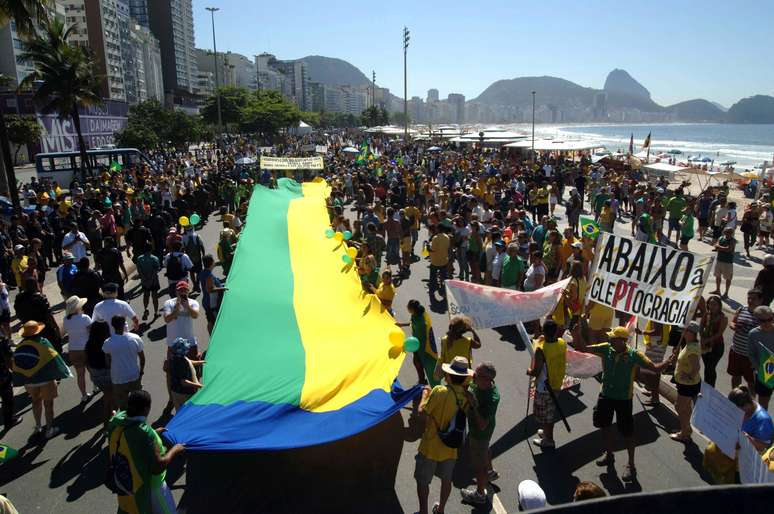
<point>679,50</point>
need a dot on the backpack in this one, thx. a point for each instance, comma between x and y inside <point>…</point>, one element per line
<point>175,269</point>
<point>454,435</point>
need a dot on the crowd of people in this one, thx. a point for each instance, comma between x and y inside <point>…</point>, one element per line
<point>488,217</point>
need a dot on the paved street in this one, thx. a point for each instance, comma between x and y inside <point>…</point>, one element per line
<point>65,474</point>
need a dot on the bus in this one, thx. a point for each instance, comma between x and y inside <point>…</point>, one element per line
<point>63,167</point>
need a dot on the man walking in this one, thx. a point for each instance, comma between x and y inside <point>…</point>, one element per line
<point>111,307</point>
<point>126,359</point>
<point>620,363</point>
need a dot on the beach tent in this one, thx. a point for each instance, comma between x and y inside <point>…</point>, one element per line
<point>302,129</point>
<point>662,169</point>
<point>299,355</point>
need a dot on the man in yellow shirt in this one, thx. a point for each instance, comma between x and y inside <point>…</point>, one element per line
<point>19,265</point>
<point>413,214</point>
<point>440,405</point>
<point>439,259</point>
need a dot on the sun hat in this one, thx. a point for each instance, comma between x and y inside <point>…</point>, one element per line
<point>74,303</point>
<point>181,284</point>
<point>619,333</point>
<point>458,366</point>
<point>531,495</point>
<point>31,328</point>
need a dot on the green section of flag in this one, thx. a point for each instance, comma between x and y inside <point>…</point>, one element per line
<point>766,368</point>
<point>7,453</point>
<point>116,166</point>
<point>589,227</point>
<point>258,357</point>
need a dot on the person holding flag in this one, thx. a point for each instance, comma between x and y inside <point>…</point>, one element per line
<point>37,366</point>
<point>426,356</point>
<point>760,351</point>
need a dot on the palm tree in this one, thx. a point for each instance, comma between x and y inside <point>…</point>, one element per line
<point>24,13</point>
<point>65,77</point>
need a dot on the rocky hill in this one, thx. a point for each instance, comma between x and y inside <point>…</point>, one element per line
<point>755,109</point>
<point>697,111</point>
<point>333,72</point>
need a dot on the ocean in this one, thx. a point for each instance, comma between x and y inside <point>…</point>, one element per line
<point>748,145</point>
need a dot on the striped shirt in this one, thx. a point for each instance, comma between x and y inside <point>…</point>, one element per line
<point>745,321</point>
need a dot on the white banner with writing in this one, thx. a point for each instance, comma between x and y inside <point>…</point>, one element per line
<point>491,307</point>
<point>658,283</point>
<point>717,418</point>
<point>291,163</point>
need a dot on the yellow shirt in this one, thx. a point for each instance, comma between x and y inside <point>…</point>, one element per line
<point>460,347</point>
<point>439,250</point>
<point>441,406</point>
<point>555,355</point>
<point>565,251</point>
<point>682,375</point>
<point>386,293</point>
<point>413,212</point>
<point>19,266</point>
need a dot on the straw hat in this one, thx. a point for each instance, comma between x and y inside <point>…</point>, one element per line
<point>31,328</point>
<point>619,333</point>
<point>458,366</point>
<point>74,303</point>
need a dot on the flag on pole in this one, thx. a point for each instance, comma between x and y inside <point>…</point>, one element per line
<point>631,325</point>
<point>631,144</point>
<point>7,453</point>
<point>766,367</point>
<point>589,227</point>
<point>646,143</point>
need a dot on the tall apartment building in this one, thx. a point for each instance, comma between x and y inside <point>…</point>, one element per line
<point>148,76</point>
<point>172,23</point>
<point>233,69</point>
<point>138,9</point>
<point>104,35</point>
<point>457,103</point>
<point>432,95</point>
<point>288,77</point>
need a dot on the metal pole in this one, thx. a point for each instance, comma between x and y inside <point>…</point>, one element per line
<point>215,57</point>
<point>405,84</point>
<point>533,126</point>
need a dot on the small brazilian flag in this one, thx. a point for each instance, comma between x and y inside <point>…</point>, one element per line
<point>35,361</point>
<point>766,368</point>
<point>589,227</point>
<point>116,166</point>
<point>7,453</point>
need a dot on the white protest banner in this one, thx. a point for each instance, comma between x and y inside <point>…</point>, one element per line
<point>659,283</point>
<point>321,149</point>
<point>717,418</point>
<point>752,468</point>
<point>491,307</point>
<point>291,163</point>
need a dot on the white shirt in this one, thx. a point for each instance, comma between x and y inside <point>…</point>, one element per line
<point>77,328</point>
<point>124,363</point>
<point>79,248</point>
<point>183,325</point>
<point>497,265</point>
<point>530,280</point>
<point>106,309</point>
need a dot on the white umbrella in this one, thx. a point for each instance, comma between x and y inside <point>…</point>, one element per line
<point>246,160</point>
<point>434,149</point>
<point>351,149</point>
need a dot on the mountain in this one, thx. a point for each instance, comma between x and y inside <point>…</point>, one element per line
<point>619,81</point>
<point>755,109</point>
<point>333,72</point>
<point>697,111</point>
<point>720,106</point>
<point>560,93</point>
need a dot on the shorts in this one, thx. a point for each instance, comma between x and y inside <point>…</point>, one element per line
<point>44,392</point>
<point>674,224</point>
<point>545,409</point>
<point>761,389</point>
<point>101,378</point>
<point>739,366</point>
<point>691,391</point>
<point>603,415</point>
<point>121,392</point>
<point>5,316</point>
<point>685,239</point>
<point>724,270</point>
<point>77,358</point>
<point>478,450</point>
<point>151,286</point>
<point>426,468</point>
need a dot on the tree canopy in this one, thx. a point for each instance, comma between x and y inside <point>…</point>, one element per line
<point>151,125</point>
<point>22,130</point>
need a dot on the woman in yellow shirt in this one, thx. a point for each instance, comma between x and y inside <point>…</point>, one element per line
<point>385,292</point>
<point>688,380</point>
<point>455,343</point>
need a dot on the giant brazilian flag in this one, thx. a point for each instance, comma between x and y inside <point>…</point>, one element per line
<point>299,355</point>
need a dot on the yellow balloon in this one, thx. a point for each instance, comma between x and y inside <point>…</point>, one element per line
<point>397,337</point>
<point>183,221</point>
<point>338,236</point>
<point>352,252</point>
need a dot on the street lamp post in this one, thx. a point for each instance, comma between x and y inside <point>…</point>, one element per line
<point>405,84</point>
<point>215,57</point>
<point>533,126</point>
<point>373,88</point>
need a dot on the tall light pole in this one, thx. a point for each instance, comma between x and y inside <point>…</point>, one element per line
<point>533,126</point>
<point>373,88</point>
<point>405,84</point>
<point>215,57</point>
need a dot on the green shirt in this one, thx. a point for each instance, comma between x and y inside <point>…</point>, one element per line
<point>512,268</point>
<point>675,206</point>
<point>619,370</point>
<point>599,202</point>
<point>487,400</point>
<point>686,225</point>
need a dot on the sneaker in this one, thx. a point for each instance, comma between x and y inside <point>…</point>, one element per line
<point>37,430</point>
<point>493,475</point>
<point>607,460</point>
<point>52,432</point>
<point>145,314</point>
<point>630,473</point>
<point>435,508</point>
<point>540,433</point>
<point>86,397</point>
<point>544,443</point>
<point>473,496</point>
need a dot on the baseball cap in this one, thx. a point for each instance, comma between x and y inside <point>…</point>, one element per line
<point>181,284</point>
<point>18,248</point>
<point>619,333</point>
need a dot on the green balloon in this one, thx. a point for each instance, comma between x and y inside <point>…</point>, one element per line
<point>194,219</point>
<point>347,259</point>
<point>347,235</point>
<point>411,344</point>
<point>329,233</point>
